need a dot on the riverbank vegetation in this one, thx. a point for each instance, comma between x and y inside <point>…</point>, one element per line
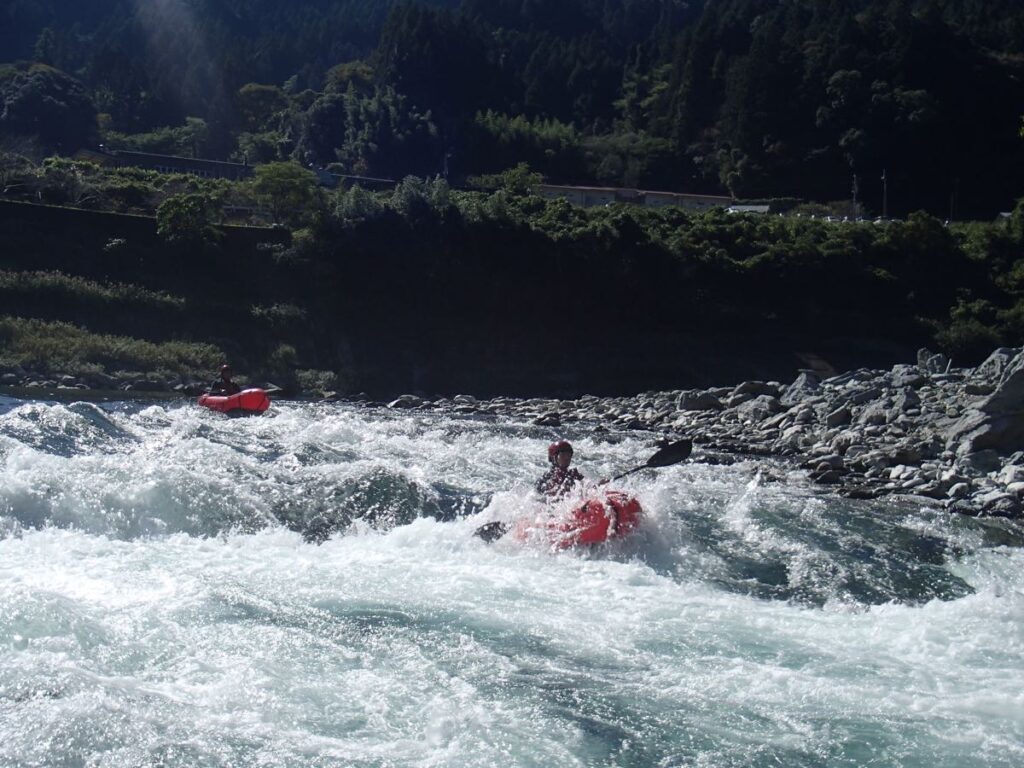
<point>432,288</point>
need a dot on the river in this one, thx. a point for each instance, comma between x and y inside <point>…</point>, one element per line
<point>304,589</point>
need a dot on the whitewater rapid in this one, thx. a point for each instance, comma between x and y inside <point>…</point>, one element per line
<point>304,589</point>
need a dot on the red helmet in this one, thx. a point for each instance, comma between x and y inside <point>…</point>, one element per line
<point>556,448</point>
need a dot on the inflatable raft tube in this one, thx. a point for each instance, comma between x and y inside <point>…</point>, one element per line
<point>614,515</point>
<point>248,402</point>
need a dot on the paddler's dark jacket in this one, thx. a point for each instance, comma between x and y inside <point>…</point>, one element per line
<point>557,482</point>
<point>221,387</point>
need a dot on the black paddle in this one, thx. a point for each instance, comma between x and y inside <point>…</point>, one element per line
<point>666,456</point>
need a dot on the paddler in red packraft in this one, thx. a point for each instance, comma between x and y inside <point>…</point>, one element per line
<point>224,385</point>
<point>560,479</point>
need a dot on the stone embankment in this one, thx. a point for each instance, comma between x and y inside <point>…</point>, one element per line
<point>952,435</point>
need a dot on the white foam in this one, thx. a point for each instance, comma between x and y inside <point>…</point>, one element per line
<point>139,625</point>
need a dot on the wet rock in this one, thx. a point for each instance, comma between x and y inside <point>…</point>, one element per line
<point>1003,505</point>
<point>831,461</point>
<point>827,477</point>
<point>406,401</point>
<point>552,419</point>
<point>146,385</point>
<point>959,491</point>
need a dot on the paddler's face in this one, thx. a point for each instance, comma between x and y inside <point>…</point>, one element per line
<point>563,458</point>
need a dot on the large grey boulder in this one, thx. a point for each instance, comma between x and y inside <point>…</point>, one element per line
<point>757,388</point>
<point>759,408</point>
<point>908,376</point>
<point>932,363</point>
<point>996,363</point>
<point>997,422</point>
<point>699,401</point>
<point>806,384</point>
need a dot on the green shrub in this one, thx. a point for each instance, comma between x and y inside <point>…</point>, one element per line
<point>187,219</point>
<point>52,347</point>
<point>58,285</point>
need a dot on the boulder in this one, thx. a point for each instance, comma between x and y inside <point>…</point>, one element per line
<point>907,400</point>
<point>1002,505</point>
<point>908,376</point>
<point>996,363</point>
<point>806,384</point>
<point>875,414</point>
<point>760,408</point>
<point>699,401</point>
<point>1009,394</point>
<point>838,417</point>
<point>932,363</point>
<point>406,401</point>
<point>552,419</point>
<point>997,423</point>
<point>1011,474</point>
<point>865,395</point>
<point>757,388</point>
<point>959,491</point>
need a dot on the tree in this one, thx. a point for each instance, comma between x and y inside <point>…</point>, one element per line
<point>38,100</point>
<point>14,170</point>
<point>289,191</point>
<point>187,219</point>
<point>258,103</point>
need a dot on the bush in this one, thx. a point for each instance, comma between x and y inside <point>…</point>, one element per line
<point>114,296</point>
<point>188,220</point>
<point>54,348</point>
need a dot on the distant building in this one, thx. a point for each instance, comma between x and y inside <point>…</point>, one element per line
<point>588,197</point>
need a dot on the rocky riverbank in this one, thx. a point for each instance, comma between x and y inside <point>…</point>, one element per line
<point>954,436</point>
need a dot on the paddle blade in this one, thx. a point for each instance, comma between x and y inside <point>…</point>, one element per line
<point>671,454</point>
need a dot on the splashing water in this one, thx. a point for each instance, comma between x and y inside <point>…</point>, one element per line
<point>304,589</point>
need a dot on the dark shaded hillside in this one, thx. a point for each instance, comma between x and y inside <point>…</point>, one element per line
<point>443,292</point>
<point>805,99</point>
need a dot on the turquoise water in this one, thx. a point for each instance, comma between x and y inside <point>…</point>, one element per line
<point>181,589</point>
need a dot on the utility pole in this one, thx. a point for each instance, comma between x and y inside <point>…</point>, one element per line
<point>885,195</point>
<point>853,190</point>
<point>952,198</point>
